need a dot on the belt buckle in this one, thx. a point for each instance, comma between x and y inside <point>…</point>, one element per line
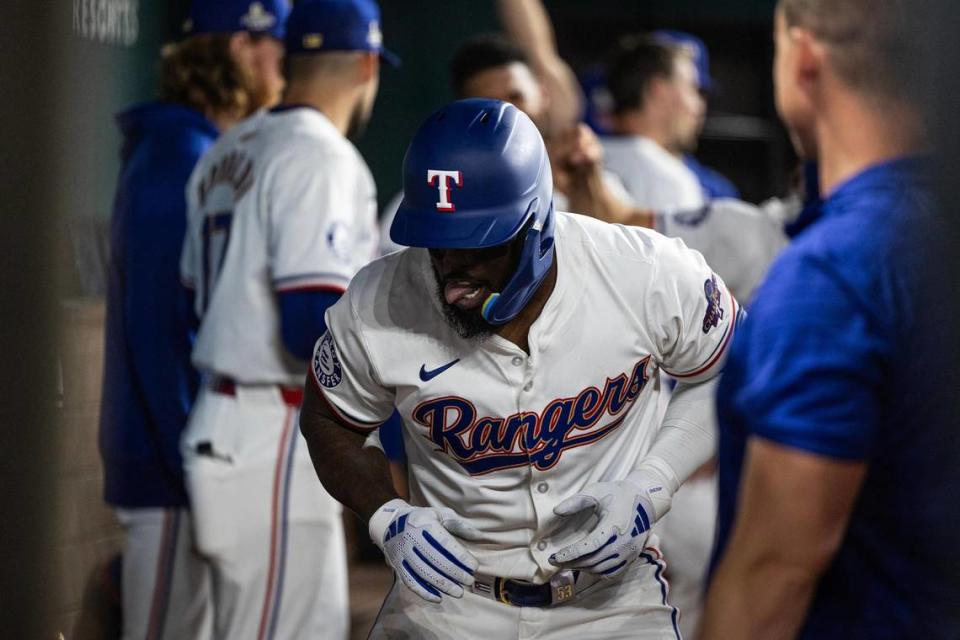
<point>562,586</point>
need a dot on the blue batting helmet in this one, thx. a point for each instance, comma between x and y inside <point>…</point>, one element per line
<point>476,175</point>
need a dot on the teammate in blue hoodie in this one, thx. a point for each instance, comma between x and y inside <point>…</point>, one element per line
<point>226,66</point>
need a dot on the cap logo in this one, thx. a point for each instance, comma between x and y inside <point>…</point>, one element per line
<point>374,35</point>
<point>440,178</point>
<point>257,18</point>
<point>312,40</point>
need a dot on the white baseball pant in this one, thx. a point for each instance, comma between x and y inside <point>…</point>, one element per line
<point>272,534</point>
<point>165,584</point>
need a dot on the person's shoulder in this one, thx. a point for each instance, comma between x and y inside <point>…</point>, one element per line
<point>827,263</point>
<point>229,140</point>
<point>305,129</point>
<point>173,141</point>
<point>305,141</point>
<point>855,243</point>
<point>386,280</point>
<point>615,243</point>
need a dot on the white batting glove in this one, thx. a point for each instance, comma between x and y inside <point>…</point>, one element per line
<point>417,544</point>
<point>625,511</point>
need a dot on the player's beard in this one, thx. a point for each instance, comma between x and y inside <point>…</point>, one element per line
<point>357,124</point>
<point>469,325</point>
<point>261,95</point>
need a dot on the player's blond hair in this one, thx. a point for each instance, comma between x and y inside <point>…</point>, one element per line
<point>874,45</point>
<point>200,72</point>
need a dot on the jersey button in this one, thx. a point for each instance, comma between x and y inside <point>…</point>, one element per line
<point>517,361</point>
<point>543,487</point>
<point>542,545</point>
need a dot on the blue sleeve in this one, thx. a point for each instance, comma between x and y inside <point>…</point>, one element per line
<point>814,363</point>
<point>713,183</point>
<point>302,319</point>
<point>391,438</point>
<point>160,340</point>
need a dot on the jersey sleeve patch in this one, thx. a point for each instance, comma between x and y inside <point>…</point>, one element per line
<point>713,317</point>
<point>714,313</point>
<point>326,363</point>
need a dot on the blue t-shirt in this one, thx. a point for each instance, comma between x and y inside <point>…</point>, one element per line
<point>149,384</point>
<point>842,356</point>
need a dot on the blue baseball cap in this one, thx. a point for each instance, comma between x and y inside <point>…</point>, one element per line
<point>701,57</point>
<point>266,17</point>
<point>319,26</point>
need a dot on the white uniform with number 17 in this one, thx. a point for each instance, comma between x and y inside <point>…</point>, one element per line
<point>502,436</point>
<point>283,202</point>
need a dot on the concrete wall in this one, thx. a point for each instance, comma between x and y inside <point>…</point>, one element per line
<point>87,532</point>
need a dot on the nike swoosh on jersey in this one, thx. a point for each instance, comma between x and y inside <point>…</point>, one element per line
<point>427,376</point>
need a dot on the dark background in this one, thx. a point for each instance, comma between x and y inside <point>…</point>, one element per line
<point>749,147</point>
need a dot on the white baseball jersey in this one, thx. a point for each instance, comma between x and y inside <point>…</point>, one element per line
<point>502,436</point>
<point>282,202</point>
<point>654,178</point>
<point>738,240</point>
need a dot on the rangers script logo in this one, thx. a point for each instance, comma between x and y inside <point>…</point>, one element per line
<point>326,364</point>
<point>714,313</point>
<point>485,444</point>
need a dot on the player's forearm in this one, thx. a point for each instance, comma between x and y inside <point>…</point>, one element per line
<point>589,195</point>
<point>756,598</point>
<point>685,442</point>
<point>792,513</point>
<point>357,477</point>
<point>528,24</point>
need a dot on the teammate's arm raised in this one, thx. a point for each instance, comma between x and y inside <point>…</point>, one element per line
<point>527,23</point>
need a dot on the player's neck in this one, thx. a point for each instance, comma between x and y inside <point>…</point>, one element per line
<point>638,123</point>
<point>854,134</point>
<point>336,105</point>
<point>518,329</point>
<point>223,120</point>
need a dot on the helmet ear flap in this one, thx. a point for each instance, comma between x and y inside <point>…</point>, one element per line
<point>536,258</point>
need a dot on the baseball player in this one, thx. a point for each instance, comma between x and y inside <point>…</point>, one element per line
<point>838,442</point>
<point>714,184</point>
<point>282,214</point>
<point>225,67</point>
<point>658,113</point>
<point>522,348</point>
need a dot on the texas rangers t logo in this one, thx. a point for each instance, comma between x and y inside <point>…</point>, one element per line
<point>440,179</point>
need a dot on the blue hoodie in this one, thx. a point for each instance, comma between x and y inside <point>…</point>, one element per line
<point>149,384</point>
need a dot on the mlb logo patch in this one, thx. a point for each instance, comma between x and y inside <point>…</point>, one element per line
<point>258,18</point>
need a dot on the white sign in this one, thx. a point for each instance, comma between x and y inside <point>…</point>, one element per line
<point>107,21</point>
